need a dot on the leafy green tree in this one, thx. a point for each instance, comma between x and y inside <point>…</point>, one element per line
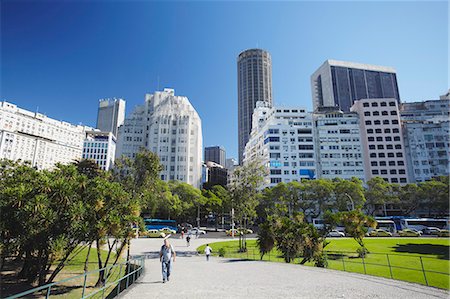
<point>317,196</point>
<point>379,193</point>
<point>348,193</point>
<point>266,237</point>
<point>356,225</point>
<point>411,198</point>
<point>245,192</point>
<point>436,196</point>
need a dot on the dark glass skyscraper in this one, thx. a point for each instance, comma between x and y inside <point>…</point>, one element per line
<point>215,154</point>
<point>254,84</point>
<point>339,84</point>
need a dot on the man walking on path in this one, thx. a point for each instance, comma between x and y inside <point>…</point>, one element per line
<point>208,251</point>
<point>166,255</point>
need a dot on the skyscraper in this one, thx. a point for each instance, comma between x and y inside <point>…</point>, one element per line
<point>254,68</point>
<point>215,154</point>
<point>339,84</point>
<point>169,126</point>
<point>111,114</point>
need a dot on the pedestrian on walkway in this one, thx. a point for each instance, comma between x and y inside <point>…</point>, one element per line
<point>188,239</point>
<point>208,251</point>
<point>182,234</point>
<point>167,255</point>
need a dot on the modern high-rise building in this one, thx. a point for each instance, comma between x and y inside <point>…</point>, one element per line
<point>426,131</point>
<point>382,139</point>
<point>216,175</point>
<point>282,139</point>
<point>169,126</point>
<point>339,84</point>
<point>38,139</point>
<point>111,114</point>
<point>215,154</point>
<point>254,67</point>
<point>339,151</point>
<point>100,147</point>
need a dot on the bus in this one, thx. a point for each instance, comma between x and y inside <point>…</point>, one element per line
<point>387,225</point>
<point>160,223</point>
<point>319,224</point>
<point>422,223</point>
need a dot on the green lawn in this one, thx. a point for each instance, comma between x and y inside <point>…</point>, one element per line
<point>403,254</point>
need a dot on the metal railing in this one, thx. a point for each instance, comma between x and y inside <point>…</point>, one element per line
<point>413,268</point>
<point>118,277</point>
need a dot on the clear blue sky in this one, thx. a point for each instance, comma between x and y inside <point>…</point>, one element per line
<point>63,57</point>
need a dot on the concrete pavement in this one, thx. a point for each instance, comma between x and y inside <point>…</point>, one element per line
<point>193,277</point>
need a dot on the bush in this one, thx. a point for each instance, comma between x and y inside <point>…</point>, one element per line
<point>222,252</point>
<point>321,261</point>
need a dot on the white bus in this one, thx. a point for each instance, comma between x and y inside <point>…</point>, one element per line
<point>387,225</point>
<point>319,223</point>
<point>422,223</point>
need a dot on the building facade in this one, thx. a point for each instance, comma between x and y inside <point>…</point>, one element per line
<point>282,139</point>
<point>339,84</point>
<point>382,139</point>
<point>254,67</point>
<point>111,114</point>
<point>100,147</point>
<point>38,139</point>
<point>215,154</point>
<point>216,175</point>
<point>338,145</point>
<point>169,126</point>
<point>426,129</point>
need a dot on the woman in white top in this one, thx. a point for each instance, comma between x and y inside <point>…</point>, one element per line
<point>208,251</point>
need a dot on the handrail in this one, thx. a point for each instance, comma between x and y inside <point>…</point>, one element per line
<point>85,274</point>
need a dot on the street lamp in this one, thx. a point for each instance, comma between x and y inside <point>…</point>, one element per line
<point>351,200</point>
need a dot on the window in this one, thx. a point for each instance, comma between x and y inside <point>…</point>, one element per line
<point>395,121</point>
<point>374,163</point>
<point>400,163</point>
<point>383,171</point>
<point>380,146</point>
<point>275,171</point>
<point>399,155</point>
<point>401,171</point>
<point>391,104</point>
<point>379,138</point>
<point>369,131</point>
<point>367,113</point>
<point>391,155</point>
<point>393,171</point>
<point>393,112</point>
<point>376,113</point>
<point>381,155</point>
<point>368,122</point>
<point>374,104</point>
<point>377,122</point>
<point>398,146</point>
<point>371,138</point>
<point>366,105</point>
<point>388,138</point>
<point>387,130</point>
<point>385,121</point>
<point>402,180</point>
<point>384,113</point>
<point>383,104</point>
<point>372,146</point>
<point>395,130</point>
<point>275,180</point>
<point>396,138</point>
<point>394,180</point>
<point>382,163</point>
<point>373,155</point>
<point>374,171</point>
<point>378,131</point>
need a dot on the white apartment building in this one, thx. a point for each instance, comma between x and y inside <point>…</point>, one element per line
<point>382,139</point>
<point>426,129</point>
<point>338,146</point>
<point>169,126</point>
<point>38,139</point>
<point>282,139</point>
<point>100,147</point>
<point>110,115</point>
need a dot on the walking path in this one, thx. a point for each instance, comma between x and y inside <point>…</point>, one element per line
<point>193,277</point>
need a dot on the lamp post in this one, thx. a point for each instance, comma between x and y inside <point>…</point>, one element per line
<point>351,200</point>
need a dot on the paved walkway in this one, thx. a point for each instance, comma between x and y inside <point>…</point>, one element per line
<point>193,277</point>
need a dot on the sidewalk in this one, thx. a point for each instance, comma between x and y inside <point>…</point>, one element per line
<point>194,277</point>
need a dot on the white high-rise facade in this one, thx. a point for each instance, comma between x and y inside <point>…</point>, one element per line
<point>282,139</point>
<point>169,126</point>
<point>426,130</point>
<point>382,139</point>
<point>38,139</point>
<point>111,114</point>
<point>100,147</point>
<point>339,151</point>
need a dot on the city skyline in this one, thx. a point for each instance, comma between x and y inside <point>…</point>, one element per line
<point>91,55</point>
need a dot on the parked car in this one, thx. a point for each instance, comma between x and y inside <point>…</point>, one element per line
<point>238,231</point>
<point>444,233</point>
<point>196,231</point>
<point>167,230</point>
<point>409,232</point>
<point>431,231</point>
<point>186,225</point>
<point>154,233</point>
<point>379,233</point>
<point>335,233</point>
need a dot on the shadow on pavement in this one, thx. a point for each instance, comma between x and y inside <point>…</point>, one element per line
<point>155,254</point>
<point>441,250</point>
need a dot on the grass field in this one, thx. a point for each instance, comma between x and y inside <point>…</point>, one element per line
<point>405,256</point>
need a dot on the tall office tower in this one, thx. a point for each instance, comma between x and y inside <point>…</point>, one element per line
<point>382,139</point>
<point>111,114</point>
<point>339,84</point>
<point>38,139</point>
<point>338,145</point>
<point>426,131</point>
<point>169,126</point>
<point>215,154</point>
<point>254,68</point>
<point>100,147</point>
<point>282,139</point>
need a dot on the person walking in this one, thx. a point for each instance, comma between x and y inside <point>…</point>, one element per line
<point>167,255</point>
<point>188,239</point>
<point>208,251</point>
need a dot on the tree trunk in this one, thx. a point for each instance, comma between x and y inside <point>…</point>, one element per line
<point>86,261</point>
<point>101,273</point>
